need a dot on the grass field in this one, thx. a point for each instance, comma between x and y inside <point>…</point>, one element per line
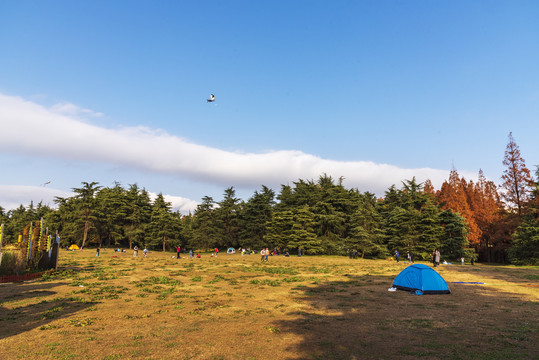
<point>231,307</point>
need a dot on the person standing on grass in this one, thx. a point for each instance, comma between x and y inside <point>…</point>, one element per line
<point>135,251</point>
<point>267,254</point>
<point>410,257</point>
<point>437,257</point>
<point>178,249</point>
<point>145,251</point>
<point>97,252</point>
<point>216,251</point>
<point>397,255</point>
<point>262,255</point>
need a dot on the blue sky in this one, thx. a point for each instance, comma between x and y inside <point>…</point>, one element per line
<point>373,91</point>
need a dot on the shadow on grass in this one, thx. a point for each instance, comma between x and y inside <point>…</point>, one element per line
<point>22,310</point>
<point>360,319</point>
<point>513,275</point>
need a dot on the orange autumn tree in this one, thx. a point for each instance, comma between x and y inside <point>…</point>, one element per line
<point>488,211</point>
<point>428,188</point>
<point>484,201</point>
<point>480,205</point>
<point>517,180</point>
<point>454,195</point>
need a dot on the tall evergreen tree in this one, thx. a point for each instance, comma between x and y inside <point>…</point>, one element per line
<point>454,241</point>
<point>205,229</point>
<point>227,216</point>
<point>365,234</point>
<point>257,213</point>
<point>138,213</point>
<point>111,212</point>
<point>278,230</point>
<point>302,234</point>
<point>525,246</point>
<point>164,228</point>
<point>85,205</point>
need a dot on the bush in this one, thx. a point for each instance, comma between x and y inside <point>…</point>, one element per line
<point>13,263</point>
<point>525,247</point>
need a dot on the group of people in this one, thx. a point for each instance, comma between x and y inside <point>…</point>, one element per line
<point>409,255</point>
<point>135,251</point>
<point>191,254</point>
<point>435,257</point>
<point>264,255</point>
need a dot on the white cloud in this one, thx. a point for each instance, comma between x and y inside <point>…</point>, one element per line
<point>154,150</point>
<point>183,205</point>
<point>12,196</point>
<point>69,109</point>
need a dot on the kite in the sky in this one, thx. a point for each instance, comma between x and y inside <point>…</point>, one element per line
<point>211,99</point>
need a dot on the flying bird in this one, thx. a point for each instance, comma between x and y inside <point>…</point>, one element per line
<point>47,183</point>
<point>211,99</point>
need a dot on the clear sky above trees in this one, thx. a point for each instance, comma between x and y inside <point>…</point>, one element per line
<point>377,92</point>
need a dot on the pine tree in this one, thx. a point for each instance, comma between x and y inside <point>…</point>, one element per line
<point>302,234</point>
<point>525,246</point>
<point>111,213</point>
<point>454,241</point>
<point>86,204</point>
<point>257,213</point>
<point>204,227</point>
<point>164,228</point>
<point>227,216</point>
<point>365,229</point>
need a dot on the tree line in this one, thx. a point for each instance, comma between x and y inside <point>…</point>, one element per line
<point>462,219</point>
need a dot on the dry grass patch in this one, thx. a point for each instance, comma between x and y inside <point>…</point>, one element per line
<point>234,307</point>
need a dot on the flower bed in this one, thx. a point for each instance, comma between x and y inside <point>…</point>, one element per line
<point>18,278</point>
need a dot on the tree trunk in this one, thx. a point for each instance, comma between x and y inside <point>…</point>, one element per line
<point>164,241</point>
<point>85,234</point>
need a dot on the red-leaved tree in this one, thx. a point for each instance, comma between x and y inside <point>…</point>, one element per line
<point>516,178</point>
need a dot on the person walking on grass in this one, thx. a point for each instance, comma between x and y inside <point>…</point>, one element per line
<point>178,249</point>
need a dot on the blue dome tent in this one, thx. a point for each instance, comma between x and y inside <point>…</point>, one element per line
<point>421,279</point>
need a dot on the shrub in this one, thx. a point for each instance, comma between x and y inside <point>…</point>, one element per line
<point>13,262</point>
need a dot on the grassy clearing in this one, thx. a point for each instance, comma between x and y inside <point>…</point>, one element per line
<point>234,307</point>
